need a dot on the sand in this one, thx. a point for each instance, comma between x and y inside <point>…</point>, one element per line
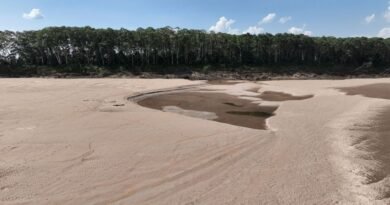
<point>80,141</point>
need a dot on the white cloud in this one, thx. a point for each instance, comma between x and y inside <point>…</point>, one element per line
<point>224,25</point>
<point>34,14</point>
<point>285,19</point>
<point>387,16</point>
<point>387,13</point>
<point>254,30</point>
<point>297,30</point>
<point>268,19</point>
<point>384,33</point>
<point>369,18</point>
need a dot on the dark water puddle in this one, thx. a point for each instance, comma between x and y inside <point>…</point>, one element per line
<point>232,104</point>
<point>379,90</point>
<point>222,82</point>
<point>254,90</point>
<point>279,96</point>
<point>229,109</point>
<point>255,114</point>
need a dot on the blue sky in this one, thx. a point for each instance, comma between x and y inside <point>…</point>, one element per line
<point>313,17</point>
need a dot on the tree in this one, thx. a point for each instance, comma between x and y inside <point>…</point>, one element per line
<point>149,49</point>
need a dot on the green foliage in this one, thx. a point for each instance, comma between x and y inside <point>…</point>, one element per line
<point>86,50</point>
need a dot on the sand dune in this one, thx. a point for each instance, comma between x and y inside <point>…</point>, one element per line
<point>80,141</point>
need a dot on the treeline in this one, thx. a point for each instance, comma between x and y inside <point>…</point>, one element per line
<point>74,49</point>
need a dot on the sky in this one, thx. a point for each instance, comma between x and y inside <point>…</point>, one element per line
<point>340,18</point>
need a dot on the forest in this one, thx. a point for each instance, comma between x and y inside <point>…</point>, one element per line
<point>84,50</point>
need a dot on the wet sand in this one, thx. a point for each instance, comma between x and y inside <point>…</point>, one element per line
<point>380,146</point>
<point>380,90</point>
<point>229,109</point>
<point>221,107</point>
<point>279,96</point>
<point>372,141</point>
<point>222,82</point>
<point>365,149</point>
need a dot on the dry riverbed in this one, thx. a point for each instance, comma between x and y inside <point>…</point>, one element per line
<point>82,141</point>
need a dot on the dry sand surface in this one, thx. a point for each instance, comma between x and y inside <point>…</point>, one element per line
<point>80,141</point>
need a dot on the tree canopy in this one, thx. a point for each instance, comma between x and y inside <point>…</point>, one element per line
<point>149,49</point>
